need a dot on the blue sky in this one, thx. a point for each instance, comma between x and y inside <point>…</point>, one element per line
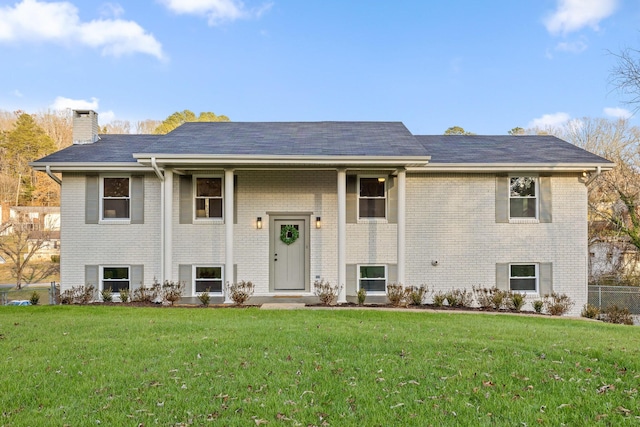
<point>487,66</point>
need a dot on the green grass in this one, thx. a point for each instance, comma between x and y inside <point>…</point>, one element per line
<point>65,365</point>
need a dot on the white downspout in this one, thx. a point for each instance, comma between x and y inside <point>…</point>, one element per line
<point>402,214</point>
<point>160,175</point>
<point>51,175</point>
<point>593,177</point>
<point>228,232</point>
<point>342,235</point>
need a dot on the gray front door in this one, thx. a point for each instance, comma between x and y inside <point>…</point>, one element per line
<point>289,256</point>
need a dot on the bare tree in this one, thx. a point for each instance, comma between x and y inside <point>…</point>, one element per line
<point>625,75</point>
<point>19,243</point>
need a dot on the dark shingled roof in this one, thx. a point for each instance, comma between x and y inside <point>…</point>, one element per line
<point>109,149</point>
<point>504,149</point>
<point>290,138</point>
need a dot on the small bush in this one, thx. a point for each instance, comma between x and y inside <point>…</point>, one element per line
<point>55,259</point>
<point>35,298</point>
<point>240,292</point>
<point>459,298</point>
<point>516,300</point>
<point>590,311</point>
<point>362,295</point>
<point>146,294</point>
<point>438,299</point>
<point>107,295</point>
<point>172,291</point>
<point>416,294</point>
<point>325,292</point>
<point>483,296</point>
<point>124,295</point>
<point>204,297</point>
<point>557,304</point>
<point>538,305</point>
<point>615,314</point>
<point>396,294</point>
<point>78,295</point>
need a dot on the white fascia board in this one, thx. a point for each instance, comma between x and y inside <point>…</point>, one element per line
<point>511,167</point>
<point>91,167</point>
<point>186,160</point>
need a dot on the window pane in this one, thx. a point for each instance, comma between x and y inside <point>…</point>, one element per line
<point>523,271</point>
<point>115,273</point>
<point>373,285</point>
<point>209,187</point>
<point>372,272</point>
<point>115,208</point>
<point>208,208</point>
<point>116,187</point>
<point>371,187</point>
<point>372,208</point>
<point>208,272</point>
<point>523,186</point>
<point>523,285</point>
<point>208,285</point>
<point>522,208</point>
<point>115,285</point>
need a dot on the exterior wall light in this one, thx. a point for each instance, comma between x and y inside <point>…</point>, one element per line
<point>318,222</point>
<point>259,223</point>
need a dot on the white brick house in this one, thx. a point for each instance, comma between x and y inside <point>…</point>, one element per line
<point>363,204</point>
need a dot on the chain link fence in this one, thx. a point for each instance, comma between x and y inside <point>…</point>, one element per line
<point>621,296</point>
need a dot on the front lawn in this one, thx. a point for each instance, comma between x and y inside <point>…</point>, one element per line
<point>101,365</point>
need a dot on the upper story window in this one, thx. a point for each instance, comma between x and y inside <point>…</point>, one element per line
<point>116,198</point>
<point>372,198</point>
<point>523,197</point>
<point>208,197</point>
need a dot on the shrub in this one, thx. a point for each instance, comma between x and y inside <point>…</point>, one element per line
<point>396,294</point>
<point>172,291</point>
<point>438,299</point>
<point>416,294</point>
<point>78,295</point>
<point>362,295</point>
<point>483,296</point>
<point>35,298</point>
<point>240,292</point>
<point>325,292</point>
<point>557,304</point>
<point>459,298</point>
<point>538,305</point>
<point>107,295</point>
<point>516,300</point>
<point>124,295</point>
<point>55,259</point>
<point>146,294</point>
<point>590,311</point>
<point>204,297</point>
<point>615,314</point>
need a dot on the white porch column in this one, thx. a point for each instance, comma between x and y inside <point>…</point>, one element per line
<point>228,231</point>
<point>342,235</point>
<point>402,194</point>
<point>167,225</point>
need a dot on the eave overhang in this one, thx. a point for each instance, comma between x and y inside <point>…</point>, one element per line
<point>90,167</point>
<point>512,167</point>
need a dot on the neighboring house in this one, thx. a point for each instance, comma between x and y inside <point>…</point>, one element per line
<point>42,223</point>
<point>613,261</point>
<point>360,204</point>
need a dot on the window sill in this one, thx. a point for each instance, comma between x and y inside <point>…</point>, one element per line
<point>122,221</point>
<point>524,221</point>
<point>208,221</point>
<point>373,221</point>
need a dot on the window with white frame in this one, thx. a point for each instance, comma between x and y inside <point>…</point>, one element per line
<point>372,197</point>
<point>116,198</point>
<point>115,278</point>
<point>207,279</point>
<point>523,197</point>
<point>208,197</point>
<point>372,278</point>
<point>523,277</point>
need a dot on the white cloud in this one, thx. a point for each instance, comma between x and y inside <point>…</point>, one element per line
<point>216,11</point>
<point>111,9</point>
<point>62,103</point>
<point>58,22</point>
<point>573,15</point>
<point>573,47</point>
<point>106,116</point>
<point>618,113</point>
<point>549,120</point>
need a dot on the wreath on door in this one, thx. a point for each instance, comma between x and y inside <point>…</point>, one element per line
<point>289,234</point>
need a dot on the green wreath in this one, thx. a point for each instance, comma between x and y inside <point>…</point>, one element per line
<point>289,234</point>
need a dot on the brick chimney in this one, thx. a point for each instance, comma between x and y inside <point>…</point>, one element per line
<point>85,126</point>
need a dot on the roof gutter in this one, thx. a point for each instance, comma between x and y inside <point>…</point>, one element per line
<point>47,170</point>
<point>593,176</point>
